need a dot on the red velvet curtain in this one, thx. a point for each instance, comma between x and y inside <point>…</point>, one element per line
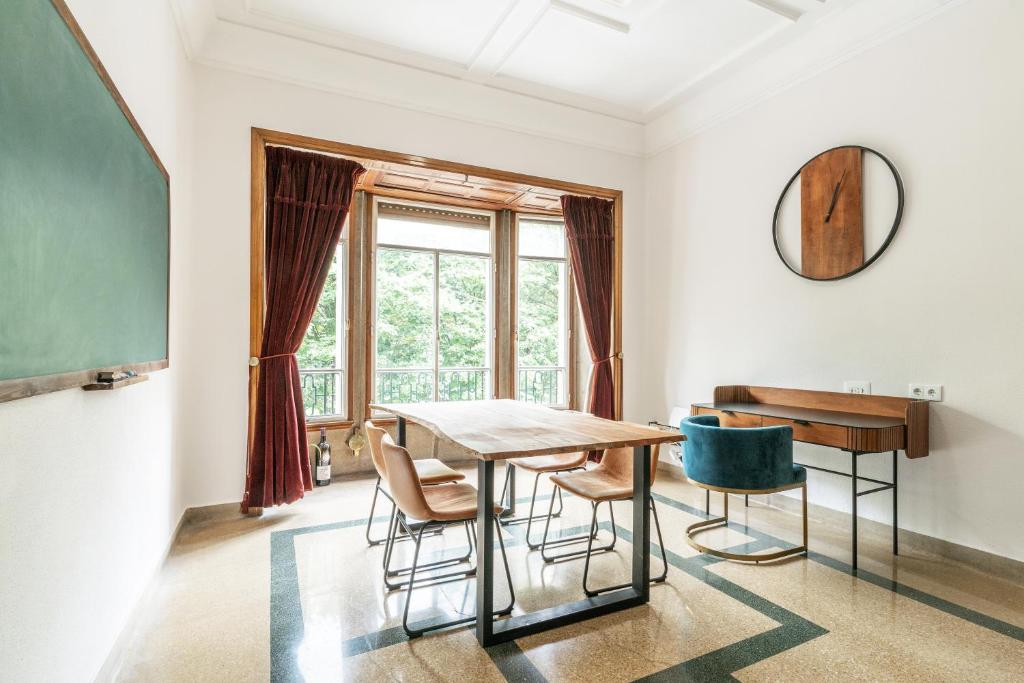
<point>590,231</point>
<point>308,196</point>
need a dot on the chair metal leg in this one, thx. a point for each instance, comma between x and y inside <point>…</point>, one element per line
<point>439,564</point>
<point>389,542</point>
<point>528,520</point>
<point>660,578</point>
<point>588,537</point>
<point>715,522</point>
<point>415,633</point>
<point>707,501</point>
<point>369,520</point>
<point>377,490</point>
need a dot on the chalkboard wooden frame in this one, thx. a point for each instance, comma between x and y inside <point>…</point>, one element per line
<point>24,387</point>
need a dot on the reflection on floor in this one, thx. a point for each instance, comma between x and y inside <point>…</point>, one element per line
<point>297,595</point>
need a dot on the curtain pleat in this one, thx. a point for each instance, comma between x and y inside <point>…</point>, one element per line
<point>308,196</point>
<point>590,231</point>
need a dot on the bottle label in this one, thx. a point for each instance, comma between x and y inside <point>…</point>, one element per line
<point>323,472</point>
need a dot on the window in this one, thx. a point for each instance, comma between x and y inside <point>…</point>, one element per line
<point>323,353</point>
<point>433,317</point>
<point>542,313</point>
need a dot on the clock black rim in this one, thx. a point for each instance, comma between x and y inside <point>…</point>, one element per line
<point>888,239</point>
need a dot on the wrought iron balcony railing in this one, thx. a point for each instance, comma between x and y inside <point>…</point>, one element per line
<point>323,391</point>
<point>545,385</point>
<point>410,385</point>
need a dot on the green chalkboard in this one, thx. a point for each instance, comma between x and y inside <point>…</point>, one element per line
<point>84,213</point>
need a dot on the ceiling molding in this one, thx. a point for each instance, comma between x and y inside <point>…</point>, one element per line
<point>282,58</point>
<point>858,26</point>
<point>822,36</point>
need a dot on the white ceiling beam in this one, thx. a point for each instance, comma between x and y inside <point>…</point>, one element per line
<point>587,15</point>
<point>780,8</point>
<point>505,36</point>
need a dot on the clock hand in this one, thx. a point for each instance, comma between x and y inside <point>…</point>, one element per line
<point>835,196</point>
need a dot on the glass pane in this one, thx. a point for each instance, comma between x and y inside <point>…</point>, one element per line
<point>543,332</point>
<point>464,304</point>
<point>405,325</point>
<point>541,238</point>
<point>322,354</point>
<point>411,233</point>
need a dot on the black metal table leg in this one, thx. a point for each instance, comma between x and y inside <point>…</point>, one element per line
<point>510,511</point>
<point>642,521</point>
<point>401,432</point>
<point>895,506</point>
<point>853,497</point>
<point>636,593</point>
<point>485,552</point>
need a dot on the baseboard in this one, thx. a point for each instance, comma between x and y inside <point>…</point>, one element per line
<point>997,565</point>
<point>115,658</point>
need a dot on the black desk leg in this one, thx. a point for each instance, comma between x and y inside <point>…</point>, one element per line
<point>707,502</point>
<point>641,521</point>
<point>401,432</point>
<point>853,497</point>
<point>895,506</point>
<point>485,552</point>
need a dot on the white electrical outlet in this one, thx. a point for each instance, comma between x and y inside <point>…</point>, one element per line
<point>931,392</point>
<point>856,386</point>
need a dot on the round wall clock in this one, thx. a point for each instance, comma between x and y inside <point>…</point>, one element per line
<point>838,213</point>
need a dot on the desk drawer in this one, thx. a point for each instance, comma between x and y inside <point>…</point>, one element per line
<point>813,432</point>
<point>732,419</point>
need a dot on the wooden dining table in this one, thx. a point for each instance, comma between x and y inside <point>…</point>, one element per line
<point>501,429</point>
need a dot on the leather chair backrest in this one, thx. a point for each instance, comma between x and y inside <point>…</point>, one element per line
<point>403,481</point>
<point>618,462</point>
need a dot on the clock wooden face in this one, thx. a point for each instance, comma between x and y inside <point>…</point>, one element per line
<point>825,212</point>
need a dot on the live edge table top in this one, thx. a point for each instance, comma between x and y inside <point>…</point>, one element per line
<point>502,428</point>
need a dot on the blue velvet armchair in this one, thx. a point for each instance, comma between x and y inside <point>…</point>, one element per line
<point>742,461</point>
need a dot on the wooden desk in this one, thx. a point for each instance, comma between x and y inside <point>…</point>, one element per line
<point>855,423</point>
<point>503,429</point>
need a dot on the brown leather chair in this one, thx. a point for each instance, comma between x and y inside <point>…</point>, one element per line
<point>539,465</point>
<point>430,471</point>
<point>610,481</point>
<point>433,506</point>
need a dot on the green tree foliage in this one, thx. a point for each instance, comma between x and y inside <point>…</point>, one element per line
<point>405,329</point>
<point>463,311</point>
<point>319,349</point>
<point>405,309</point>
<point>540,293</point>
<point>539,296</point>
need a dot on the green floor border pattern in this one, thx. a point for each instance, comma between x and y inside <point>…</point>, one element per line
<point>287,629</point>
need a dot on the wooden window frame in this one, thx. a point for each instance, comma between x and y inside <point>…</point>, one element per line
<point>572,310</point>
<point>370,302</point>
<point>360,271</point>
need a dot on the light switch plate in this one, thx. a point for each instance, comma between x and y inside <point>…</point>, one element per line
<point>856,386</point>
<point>931,392</point>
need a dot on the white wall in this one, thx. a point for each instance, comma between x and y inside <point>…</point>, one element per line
<point>229,104</point>
<point>945,103</point>
<point>91,482</point>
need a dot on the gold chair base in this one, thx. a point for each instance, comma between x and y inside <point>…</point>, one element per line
<point>708,524</point>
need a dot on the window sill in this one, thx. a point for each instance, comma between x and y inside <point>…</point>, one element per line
<point>315,424</point>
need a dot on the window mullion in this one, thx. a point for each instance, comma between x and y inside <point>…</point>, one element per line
<point>437,325</point>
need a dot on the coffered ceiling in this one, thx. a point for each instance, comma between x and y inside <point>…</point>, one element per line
<point>625,58</point>
<point>632,76</point>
